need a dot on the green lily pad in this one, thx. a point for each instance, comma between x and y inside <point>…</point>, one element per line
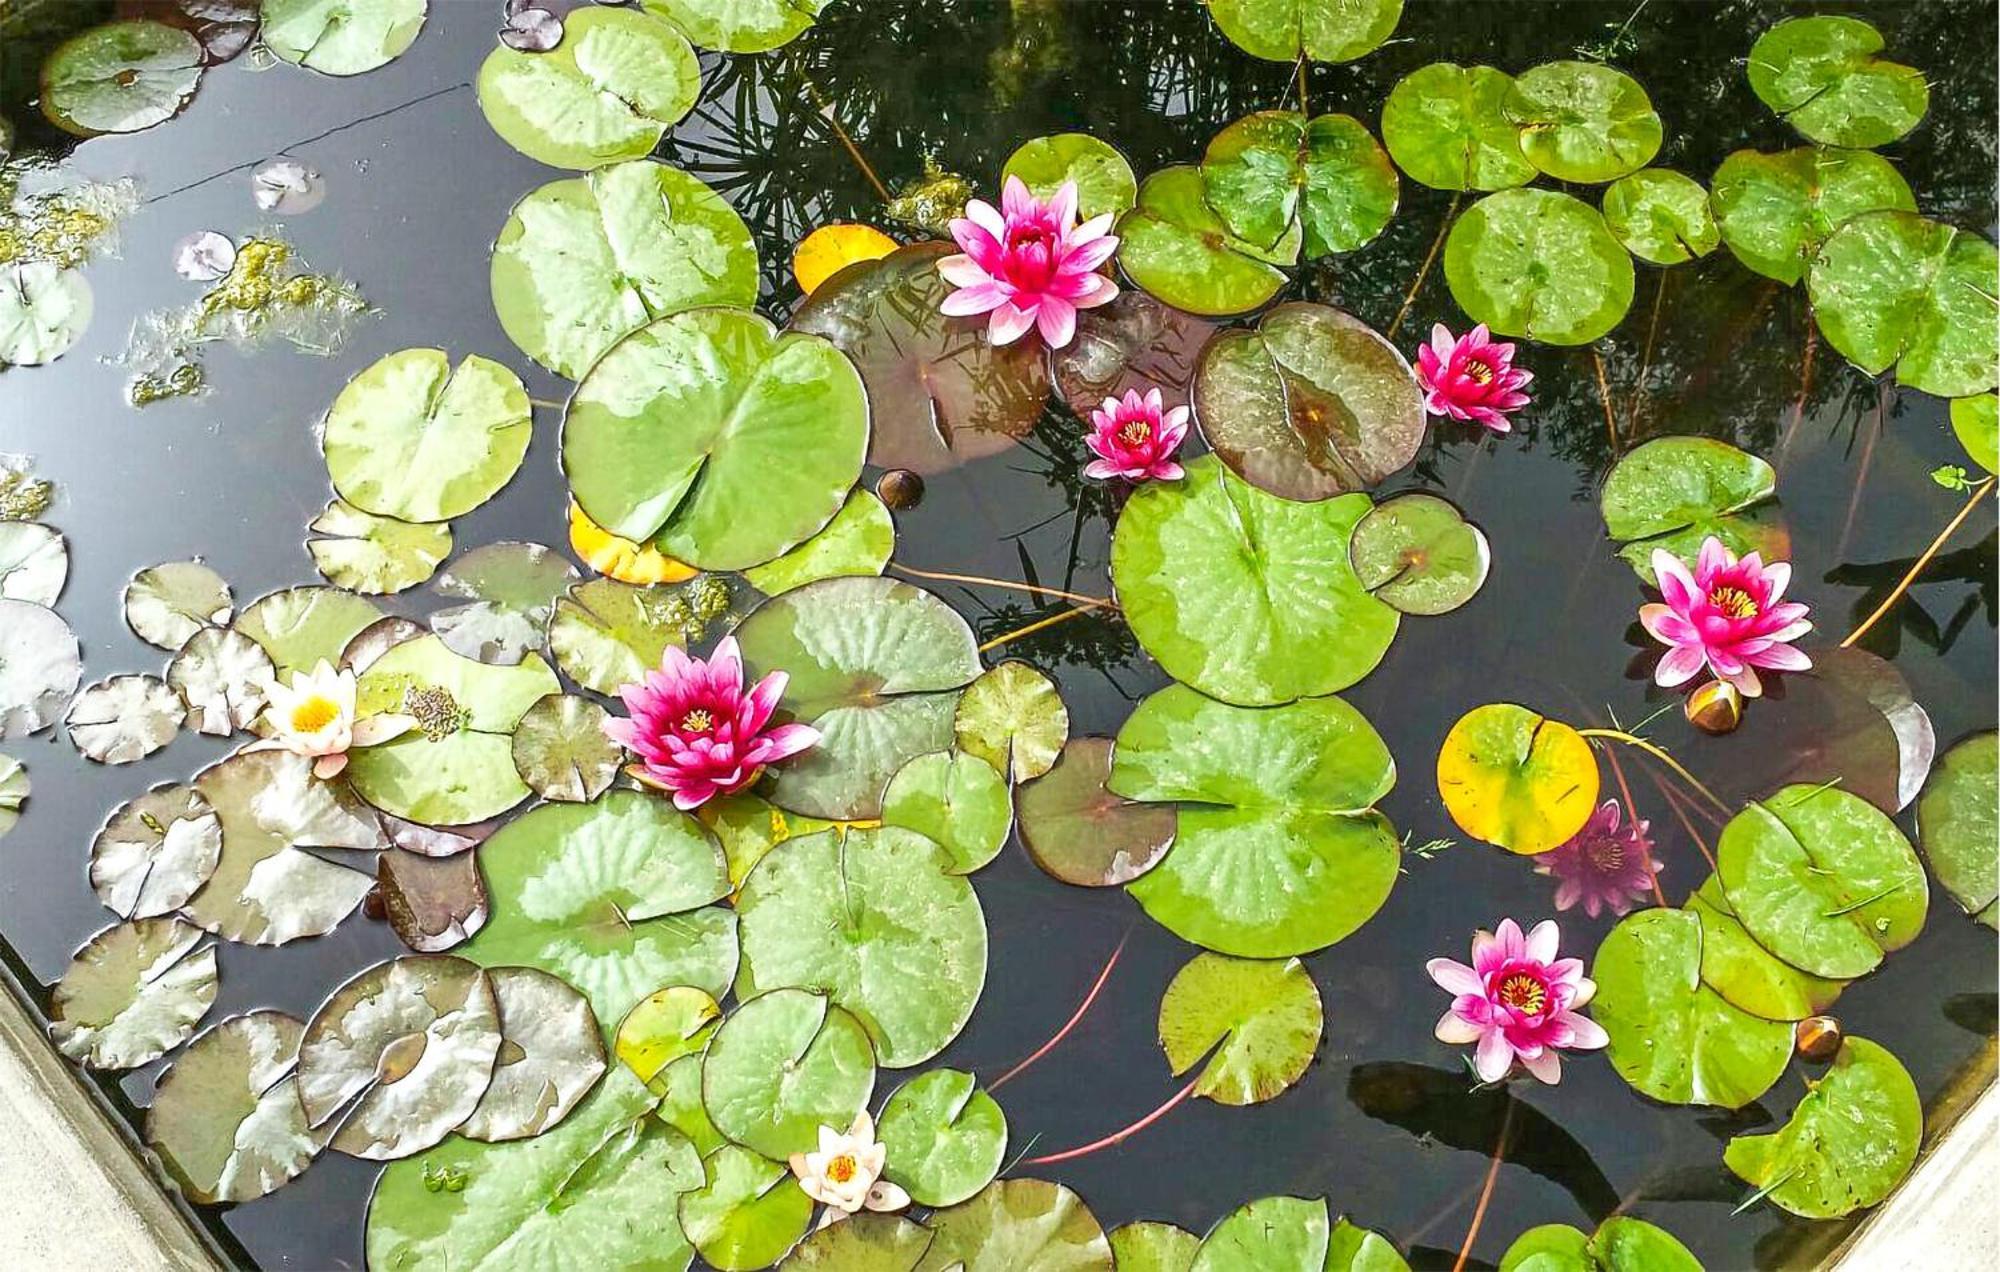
<point>1821,74</point>
<point>1322,30</point>
<point>43,311</point>
<point>155,852</point>
<point>1675,492</point>
<point>1620,1244</point>
<point>613,1169</point>
<point>1583,121</point>
<point>561,750</point>
<point>608,92</point>
<point>606,633</point>
<point>730,441</point>
<point>134,992</point>
<point>1822,879</point>
<point>1016,1224</point>
<point>1849,1141</point>
<point>740,26</point>
<point>946,1138</point>
<point>859,540</point>
<point>1079,832</point>
<point>412,437</point>
<point>1314,403</point>
<point>341,37</point>
<point>874,919</point>
<point>1267,1235</point>
<point>582,262</point>
<point>221,675</point>
<point>1976,422</point>
<point>862,1243</point>
<point>120,77</point>
<point>1280,850</point>
<point>1148,1246</point>
<point>667,1025</point>
<point>1244,595</point>
<point>1956,824</point>
<point>939,392</point>
<point>1894,289</point>
<point>1172,244</point>
<point>375,555</point>
<point>1256,1021</point>
<point>679,1087</point>
<point>1539,264</point>
<point>875,666</point>
<point>1419,555</point>
<point>226,1118</point>
<point>747,1214</point>
<point>1103,176</point>
<point>1672,1037</point>
<point>1133,343</point>
<point>1747,975</point>
<point>1351,1248</point>
<point>609,896</point>
<point>1013,717</point>
<point>750,826</point>
<point>1661,216</point>
<point>782,1065</point>
<point>301,627</point>
<point>1447,127</point>
<point>509,592</point>
<point>1267,170</point>
<point>957,801</point>
<point>1774,210</point>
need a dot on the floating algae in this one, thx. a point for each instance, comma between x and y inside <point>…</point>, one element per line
<point>64,226</point>
<point>23,497</point>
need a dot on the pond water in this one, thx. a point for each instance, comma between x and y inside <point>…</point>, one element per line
<point>417,185</point>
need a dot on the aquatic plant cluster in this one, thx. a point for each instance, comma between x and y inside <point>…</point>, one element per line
<point>660,959</point>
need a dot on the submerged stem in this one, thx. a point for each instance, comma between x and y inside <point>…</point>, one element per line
<point>1117,1137</point>
<point>1646,356</point>
<point>1604,396</point>
<point>1424,270</point>
<point>1486,1189</point>
<point>1687,825</point>
<point>847,143</point>
<point>1659,753</point>
<point>945,576</point>
<point>1038,625</point>
<point>1903,585</point>
<point>1089,998</point>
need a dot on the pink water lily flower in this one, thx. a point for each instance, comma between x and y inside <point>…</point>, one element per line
<point>1471,378</point>
<point>1028,264</point>
<point>1728,614</point>
<point>697,733</point>
<point>1134,440</point>
<point>1518,1001</point>
<point>1608,865</point>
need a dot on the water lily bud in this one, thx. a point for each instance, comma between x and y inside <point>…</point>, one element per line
<point>900,488</point>
<point>1818,1038</point>
<point>1716,707</point>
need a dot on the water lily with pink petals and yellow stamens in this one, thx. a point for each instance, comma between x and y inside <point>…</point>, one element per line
<point>845,1174</point>
<point>1728,615</point>
<point>1518,1002</point>
<point>1471,378</point>
<point>314,717</point>
<point>1028,264</point>
<point>1134,439</point>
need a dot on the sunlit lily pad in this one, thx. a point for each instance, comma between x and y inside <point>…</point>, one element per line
<point>1257,1022</point>
<point>946,1138</point>
<point>1822,75</point>
<point>748,1213</point>
<point>375,555</point>
<point>874,919</point>
<point>120,77</point>
<point>561,751</point>
<point>1351,1248</point>
<point>1447,127</point>
<point>1312,404</point>
<point>955,800</point>
<point>1895,289</point>
<point>1173,245</point>
<point>1014,1224</point>
<point>582,262</point>
<point>679,1087</point>
<point>750,826</point>
<point>551,1055</point>
<point>731,464</point>
<point>621,559</point>
<point>341,37</point>
<point>1676,492</point>
<point>1823,879</point>
<point>1271,1232</point>
<point>432,904</point>
<point>124,719</point>
<point>40,665</point>
<point>740,26</point>
<point>1774,210</point>
<point>782,1065</point>
<point>166,604</point>
<point>1849,1141</point>
<point>1661,216</point>
<point>1322,30</point>
<point>1148,1246</point>
<point>1541,264</point>
<point>1747,975</point>
<point>1104,178</point>
<point>1976,422</point>
<point>1620,1244</point>
<point>221,675</point>
<point>1956,824</point>
<point>1135,342</point>
<point>864,1242</point>
<point>14,791</point>
<point>509,590</point>
<point>939,392</point>
<point>34,562</point>
<point>832,248</point>
<point>619,79</point>
<point>414,438</point>
<point>133,993</point>
<point>1079,832</point>
<point>155,852</point>
<point>1417,553</point>
<point>1013,717</point>
<point>1672,1037</point>
<point>859,540</point>
<point>44,309</point>
<point>1280,850</point>
<point>226,1118</point>
<point>1517,779</point>
<point>1246,596</point>
<point>666,1025</point>
<point>301,626</point>
<point>1329,173</point>
<point>1583,121</point>
<point>606,633</point>
<point>875,666</point>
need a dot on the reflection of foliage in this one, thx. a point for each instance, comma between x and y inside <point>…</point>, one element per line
<point>1974,565</point>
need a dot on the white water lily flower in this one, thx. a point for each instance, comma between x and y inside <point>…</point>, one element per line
<point>846,1172</point>
<point>315,718</point>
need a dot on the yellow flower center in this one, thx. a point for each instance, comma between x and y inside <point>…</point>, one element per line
<point>314,714</point>
<point>1733,601</point>
<point>697,721</point>
<point>1523,993</point>
<point>842,1168</point>
<point>1478,370</point>
<point>1135,432</point>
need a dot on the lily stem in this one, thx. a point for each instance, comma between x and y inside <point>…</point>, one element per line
<point>1036,626</point>
<point>945,576</point>
<point>1424,270</point>
<point>1604,396</point>
<point>1687,825</point>
<point>1486,1189</point>
<point>1646,356</point>
<point>1805,390</point>
<point>1089,998</point>
<point>1658,753</point>
<point>1117,1137</point>
<point>826,112</point>
<point>1903,585</point>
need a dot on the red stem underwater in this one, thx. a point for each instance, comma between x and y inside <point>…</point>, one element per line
<point>1117,1137</point>
<point>1074,1020</point>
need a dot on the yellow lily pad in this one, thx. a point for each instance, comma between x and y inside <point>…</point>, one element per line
<point>831,248</point>
<point>1516,779</point>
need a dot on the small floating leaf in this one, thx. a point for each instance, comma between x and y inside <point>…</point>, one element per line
<point>622,559</point>
<point>166,604</point>
<point>1103,176</point>
<point>155,852</point>
<point>781,1066</point>
<point>1173,245</point>
<point>1012,1224</point>
<point>551,1055</point>
<point>1079,832</point>
<point>1517,779</point>
<point>1849,1141</point>
<point>1775,210</point>
<point>1012,717</point>
<point>561,751</point>
<point>666,1025</point>
<point>1257,1022</point>
<point>832,248</point>
<point>1822,75</point>
<point>120,77</point>
<point>1976,421</point>
<point>1895,289</point>
<point>1419,555</point>
<point>221,675</point>
<point>608,92</point>
<point>1322,30</point>
<point>509,590</point>
<point>44,309</point>
<point>955,800</point>
<point>133,993</point>
<point>1661,216</point>
<point>1271,1232</point>
<point>1540,264</point>
<point>1676,492</point>
<point>226,1118</point>
<point>341,37</point>
<point>740,26</point>
<point>34,563</point>
<point>859,540</point>
<point>40,665</point>
<point>946,1138</point>
<point>748,1213</point>
<point>375,555</point>
<point>414,438</point>
<point>1956,824</point>
<point>1583,121</point>
<point>1146,1246</point>
<point>301,626</point>
<point>124,719</point>
<point>1446,126</point>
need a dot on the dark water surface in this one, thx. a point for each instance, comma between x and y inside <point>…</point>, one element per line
<point>418,185</point>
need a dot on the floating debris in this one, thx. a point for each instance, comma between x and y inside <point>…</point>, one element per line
<point>22,497</point>
<point>204,256</point>
<point>530,28</point>
<point>287,187</point>
<point>63,226</point>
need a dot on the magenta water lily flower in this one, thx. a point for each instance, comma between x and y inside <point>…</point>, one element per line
<point>1028,264</point>
<point>1132,438</point>
<point>1608,865</point>
<point>1728,615</point>
<point>1518,1001</point>
<point>1471,378</point>
<point>697,733</point>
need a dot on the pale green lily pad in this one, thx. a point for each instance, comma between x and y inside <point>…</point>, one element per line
<point>551,1055</point>
<point>1103,176</point>
<point>610,897</point>
<point>875,666</point>
<point>667,1025</point>
<point>679,1087</point>
<point>606,634</point>
<point>946,1138</point>
<point>858,541</point>
<point>226,1118</point>
<point>1256,1021</point>
<point>414,438</point>
<point>747,1214</point>
<point>740,26</point>
<point>874,919</point>
<point>1821,74</point>
<point>167,604</point>
<point>1013,717</point>
<point>1956,824</point>
<point>14,790</point>
<point>1549,1247</point>
<point>1265,1235</point>
<point>1620,1244</point>
<point>1351,1248</point>
<point>608,92</point>
<point>134,992</point>
<point>1823,879</point>
<point>1540,264</point>
<point>1675,492</point>
<point>1012,1225</point>
<point>375,555</point>
<point>1147,1246</point>
<point>1329,174</point>
<point>341,37</point>
<point>782,1065</point>
<point>1747,975</point>
<point>120,77</point>
<point>562,752</point>
<point>509,590</point>
<point>957,801</point>
<point>1447,127</point>
<point>1849,1141</point>
<point>1672,1037</point>
<point>1280,849</point>
<point>750,826</point>
<point>124,719</point>
<point>1418,554</point>
<point>1172,244</point>
<point>1661,216</point>
<point>1774,210</point>
<point>862,1243</point>
<point>730,441</point>
<point>1895,289</point>
<point>1583,121</point>
<point>1243,595</point>
<point>43,311</point>
<point>1976,422</point>
<point>1322,30</point>
<point>582,262</point>
<point>155,852</point>
<point>302,627</point>
<point>1079,832</point>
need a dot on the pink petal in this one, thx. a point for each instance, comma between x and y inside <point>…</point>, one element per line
<point>1455,977</point>
<point>1781,658</point>
<point>1101,470</point>
<point>973,300</point>
<point>1494,1057</point>
<point>328,767</point>
<point>1589,1035</point>
<point>1008,324</point>
<point>1666,626</point>
<point>963,271</point>
<point>1457,1031</point>
<point>988,218</point>
<point>1063,206</point>
<point>1677,586</point>
<point>1547,1067</point>
<point>1543,940</point>
<point>1057,321</point>
<point>1778,575</point>
<point>789,739</point>
<point>1512,944</point>
<point>1167,470</point>
<point>1712,560</point>
<point>1678,667</point>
